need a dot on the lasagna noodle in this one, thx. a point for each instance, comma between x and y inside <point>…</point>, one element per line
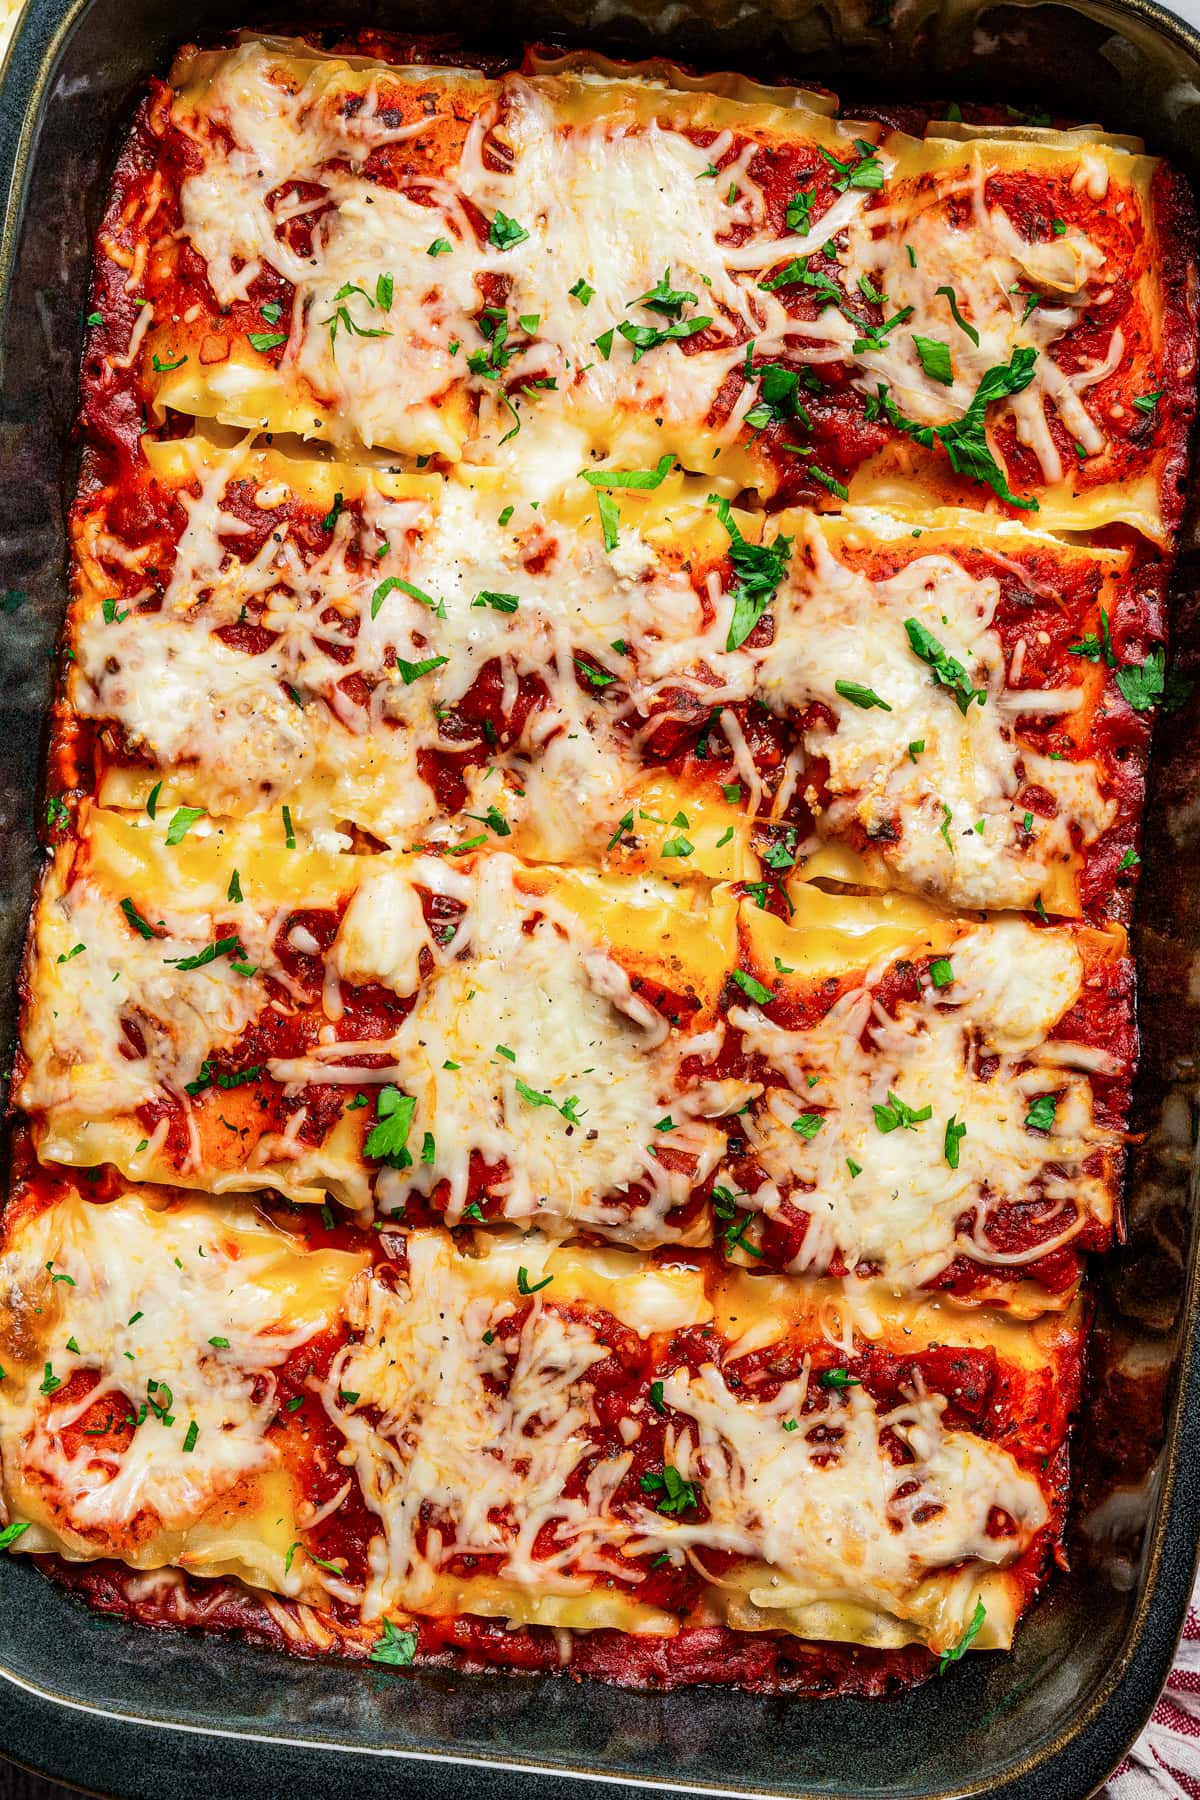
<point>317,180</point>
<point>956,238</point>
<point>567,1048</point>
<point>467,1407</point>
<point>143,1346</point>
<point>383,652</point>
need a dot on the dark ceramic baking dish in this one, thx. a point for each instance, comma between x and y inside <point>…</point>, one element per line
<point>126,1711</point>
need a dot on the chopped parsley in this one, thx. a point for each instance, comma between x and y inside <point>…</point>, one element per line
<point>966,1640</point>
<point>504,233</point>
<point>867,172</point>
<point>393,582</point>
<point>388,1137</point>
<point>965,440</point>
<point>568,1108</point>
<point>759,569</point>
<point>941,971</point>
<point>951,299</point>
<point>753,990</point>
<point>136,920</point>
<point>955,1133</point>
<point>182,821</point>
<point>1093,647</point>
<point>410,671</point>
<point>947,671</point>
<point>677,1494</point>
<point>267,340</point>
<point>1142,684</point>
<point>808,1125</point>
<point>896,1115</point>
<point>934,358</point>
<point>395,1648</point>
<point>226,946</point>
<point>778,400</point>
<point>583,291</point>
<point>525,1286</point>
<point>610,523</point>
<point>629,478</point>
<point>799,211</point>
<point>861,696</point>
<point>1040,1116</point>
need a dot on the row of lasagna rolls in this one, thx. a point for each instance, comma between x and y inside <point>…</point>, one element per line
<point>444,263</point>
<point>415,1427</point>
<point>637,677</point>
<point>865,1086</point>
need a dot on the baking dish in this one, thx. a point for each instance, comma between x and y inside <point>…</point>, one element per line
<point>130,1711</point>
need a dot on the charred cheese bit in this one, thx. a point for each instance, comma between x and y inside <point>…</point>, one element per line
<point>141,1350</point>
<point>469,1432</point>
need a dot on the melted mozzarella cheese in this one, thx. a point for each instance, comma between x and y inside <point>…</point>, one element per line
<point>824,1506</point>
<point>606,187</point>
<point>975,1053</point>
<point>527,1047</point>
<point>182,1317</point>
<point>526,1044</point>
<point>473,1436</point>
<point>608,194</point>
<point>960,241</point>
<point>114,1023</point>
<point>412,580</point>
<point>930,792</point>
<point>285,723</point>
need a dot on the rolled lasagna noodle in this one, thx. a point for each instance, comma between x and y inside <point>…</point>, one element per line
<point>175,1379</point>
<point>518,1042</point>
<point>551,263</point>
<point>435,660</point>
